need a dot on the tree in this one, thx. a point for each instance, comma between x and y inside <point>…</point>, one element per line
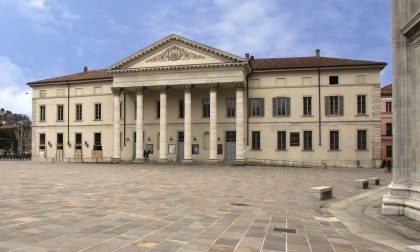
<point>23,136</point>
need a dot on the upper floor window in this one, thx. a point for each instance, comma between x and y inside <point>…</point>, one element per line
<point>158,109</point>
<point>388,127</point>
<point>206,108</point>
<point>98,111</point>
<point>281,106</point>
<point>181,109</point>
<point>388,107</point>
<point>78,112</point>
<point>60,112</point>
<point>307,106</point>
<point>42,113</point>
<point>361,104</point>
<point>333,80</point>
<point>362,139</point>
<point>230,107</point>
<point>334,105</point>
<point>256,106</point>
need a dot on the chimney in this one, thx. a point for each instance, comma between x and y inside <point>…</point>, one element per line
<point>318,52</point>
<point>85,69</point>
<point>247,56</point>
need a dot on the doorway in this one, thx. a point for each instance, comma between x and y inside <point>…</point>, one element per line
<point>180,146</point>
<point>230,146</point>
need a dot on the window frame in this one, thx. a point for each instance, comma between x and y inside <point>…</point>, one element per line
<point>205,103</point>
<point>95,145</point>
<point>181,109</point>
<point>77,105</point>
<point>60,114</point>
<point>331,79</point>
<point>307,142</point>
<point>40,144</point>
<point>294,138</point>
<point>230,111</point>
<point>361,146</point>
<point>60,146</point>
<point>95,111</point>
<point>388,109</point>
<point>330,107</point>
<point>388,130</point>
<point>361,110</point>
<point>281,106</point>
<point>254,102</point>
<point>281,140</point>
<point>255,140</point>
<point>42,113</point>
<point>78,146</point>
<point>309,112</point>
<point>157,109</point>
<point>387,148</point>
<point>334,146</point>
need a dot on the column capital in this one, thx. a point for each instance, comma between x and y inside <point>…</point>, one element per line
<point>163,89</point>
<point>213,86</point>
<point>187,87</point>
<point>239,85</point>
<point>140,90</point>
<point>117,90</point>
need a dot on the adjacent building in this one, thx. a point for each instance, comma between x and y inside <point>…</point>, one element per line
<point>386,122</point>
<point>185,101</point>
<point>403,197</point>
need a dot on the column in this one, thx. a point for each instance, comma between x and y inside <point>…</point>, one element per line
<point>162,141</point>
<point>213,123</point>
<point>240,150</point>
<point>187,124</point>
<point>116,152</point>
<point>139,125</point>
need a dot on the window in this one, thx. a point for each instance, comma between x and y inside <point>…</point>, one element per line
<point>388,107</point>
<point>281,106</point>
<point>42,93</point>
<point>181,109</point>
<point>389,151</point>
<point>307,106</point>
<point>230,107</point>
<point>98,111</point>
<point>281,140</point>
<point>388,127</point>
<point>78,112</point>
<point>97,141</point>
<point>333,80</point>
<point>42,113</point>
<point>158,109</point>
<point>78,141</point>
<point>307,140</point>
<point>361,104</point>
<point>60,141</point>
<point>42,141</point>
<point>334,105</point>
<point>206,108</point>
<point>256,145</point>
<point>256,106</point>
<point>60,112</point>
<point>334,140</point>
<point>294,139</point>
<point>362,139</point>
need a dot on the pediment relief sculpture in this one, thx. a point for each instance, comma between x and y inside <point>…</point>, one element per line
<point>175,53</point>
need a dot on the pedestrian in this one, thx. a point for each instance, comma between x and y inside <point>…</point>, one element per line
<point>144,155</point>
<point>147,155</point>
<point>389,165</point>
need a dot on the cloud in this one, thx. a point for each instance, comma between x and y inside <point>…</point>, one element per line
<point>13,90</point>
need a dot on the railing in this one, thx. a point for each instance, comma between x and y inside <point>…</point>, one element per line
<point>285,163</point>
<point>24,157</point>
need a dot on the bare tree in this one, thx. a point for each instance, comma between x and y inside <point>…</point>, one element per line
<point>24,134</point>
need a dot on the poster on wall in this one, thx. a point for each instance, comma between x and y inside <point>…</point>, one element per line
<point>195,149</point>
<point>149,148</point>
<point>171,148</point>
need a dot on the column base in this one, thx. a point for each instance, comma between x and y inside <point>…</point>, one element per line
<point>213,161</point>
<point>239,162</point>
<point>162,160</point>
<point>138,160</point>
<point>402,200</point>
<point>116,160</point>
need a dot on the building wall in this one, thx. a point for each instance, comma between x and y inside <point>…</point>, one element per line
<point>386,117</point>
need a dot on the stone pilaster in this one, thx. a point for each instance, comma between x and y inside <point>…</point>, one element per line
<point>239,113</point>
<point>376,128</point>
<point>163,124</point>
<point>213,123</point>
<point>116,153</point>
<point>139,124</point>
<point>187,124</point>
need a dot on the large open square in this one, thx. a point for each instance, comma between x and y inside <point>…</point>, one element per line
<point>133,207</point>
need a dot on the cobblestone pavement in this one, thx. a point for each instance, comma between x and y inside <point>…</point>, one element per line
<point>132,207</point>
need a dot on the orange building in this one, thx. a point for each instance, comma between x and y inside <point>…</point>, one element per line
<point>386,122</point>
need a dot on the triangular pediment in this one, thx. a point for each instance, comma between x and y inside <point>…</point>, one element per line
<point>175,50</point>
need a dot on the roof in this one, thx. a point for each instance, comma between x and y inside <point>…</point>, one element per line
<point>387,90</point>
<point>83,76</point>
<point>309,62</point>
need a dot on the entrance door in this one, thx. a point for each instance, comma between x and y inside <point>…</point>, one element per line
<point>230,147</point>
<point>180,146</point>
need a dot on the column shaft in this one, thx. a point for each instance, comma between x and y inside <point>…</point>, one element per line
<point>139,125</point>
<point>187,124</point>
<point>240,148</point>
<point>213,123</point>
<point>116,153</point>
<point>162,138</point>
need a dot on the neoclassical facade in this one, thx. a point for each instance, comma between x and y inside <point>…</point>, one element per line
<point>185,101</point>
<point>403,197</point>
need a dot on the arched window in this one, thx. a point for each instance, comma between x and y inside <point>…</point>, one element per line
<point>206,140</point>
<point>158,141</point>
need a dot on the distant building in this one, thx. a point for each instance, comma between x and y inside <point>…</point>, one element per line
<point>186,101</point>
<point>386,122</point>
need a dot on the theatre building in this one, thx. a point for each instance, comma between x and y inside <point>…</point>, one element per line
<point>188,102</point>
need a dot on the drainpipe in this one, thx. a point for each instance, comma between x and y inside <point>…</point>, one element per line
<point>319,106</point>
<point>68,114</point>
<point>125,124</point>
<point>247,100</point>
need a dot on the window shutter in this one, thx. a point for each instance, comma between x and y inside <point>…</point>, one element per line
<point>341,105</point>
<point>288,106</point>
<point>275,106</point>
<point>262,106</point>
<point>327,105</point>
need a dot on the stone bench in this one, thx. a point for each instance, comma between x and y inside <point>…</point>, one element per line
<point>321,192</point>
<point>412,248</point>
<point>374,181</point>
<point>361,184</point>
